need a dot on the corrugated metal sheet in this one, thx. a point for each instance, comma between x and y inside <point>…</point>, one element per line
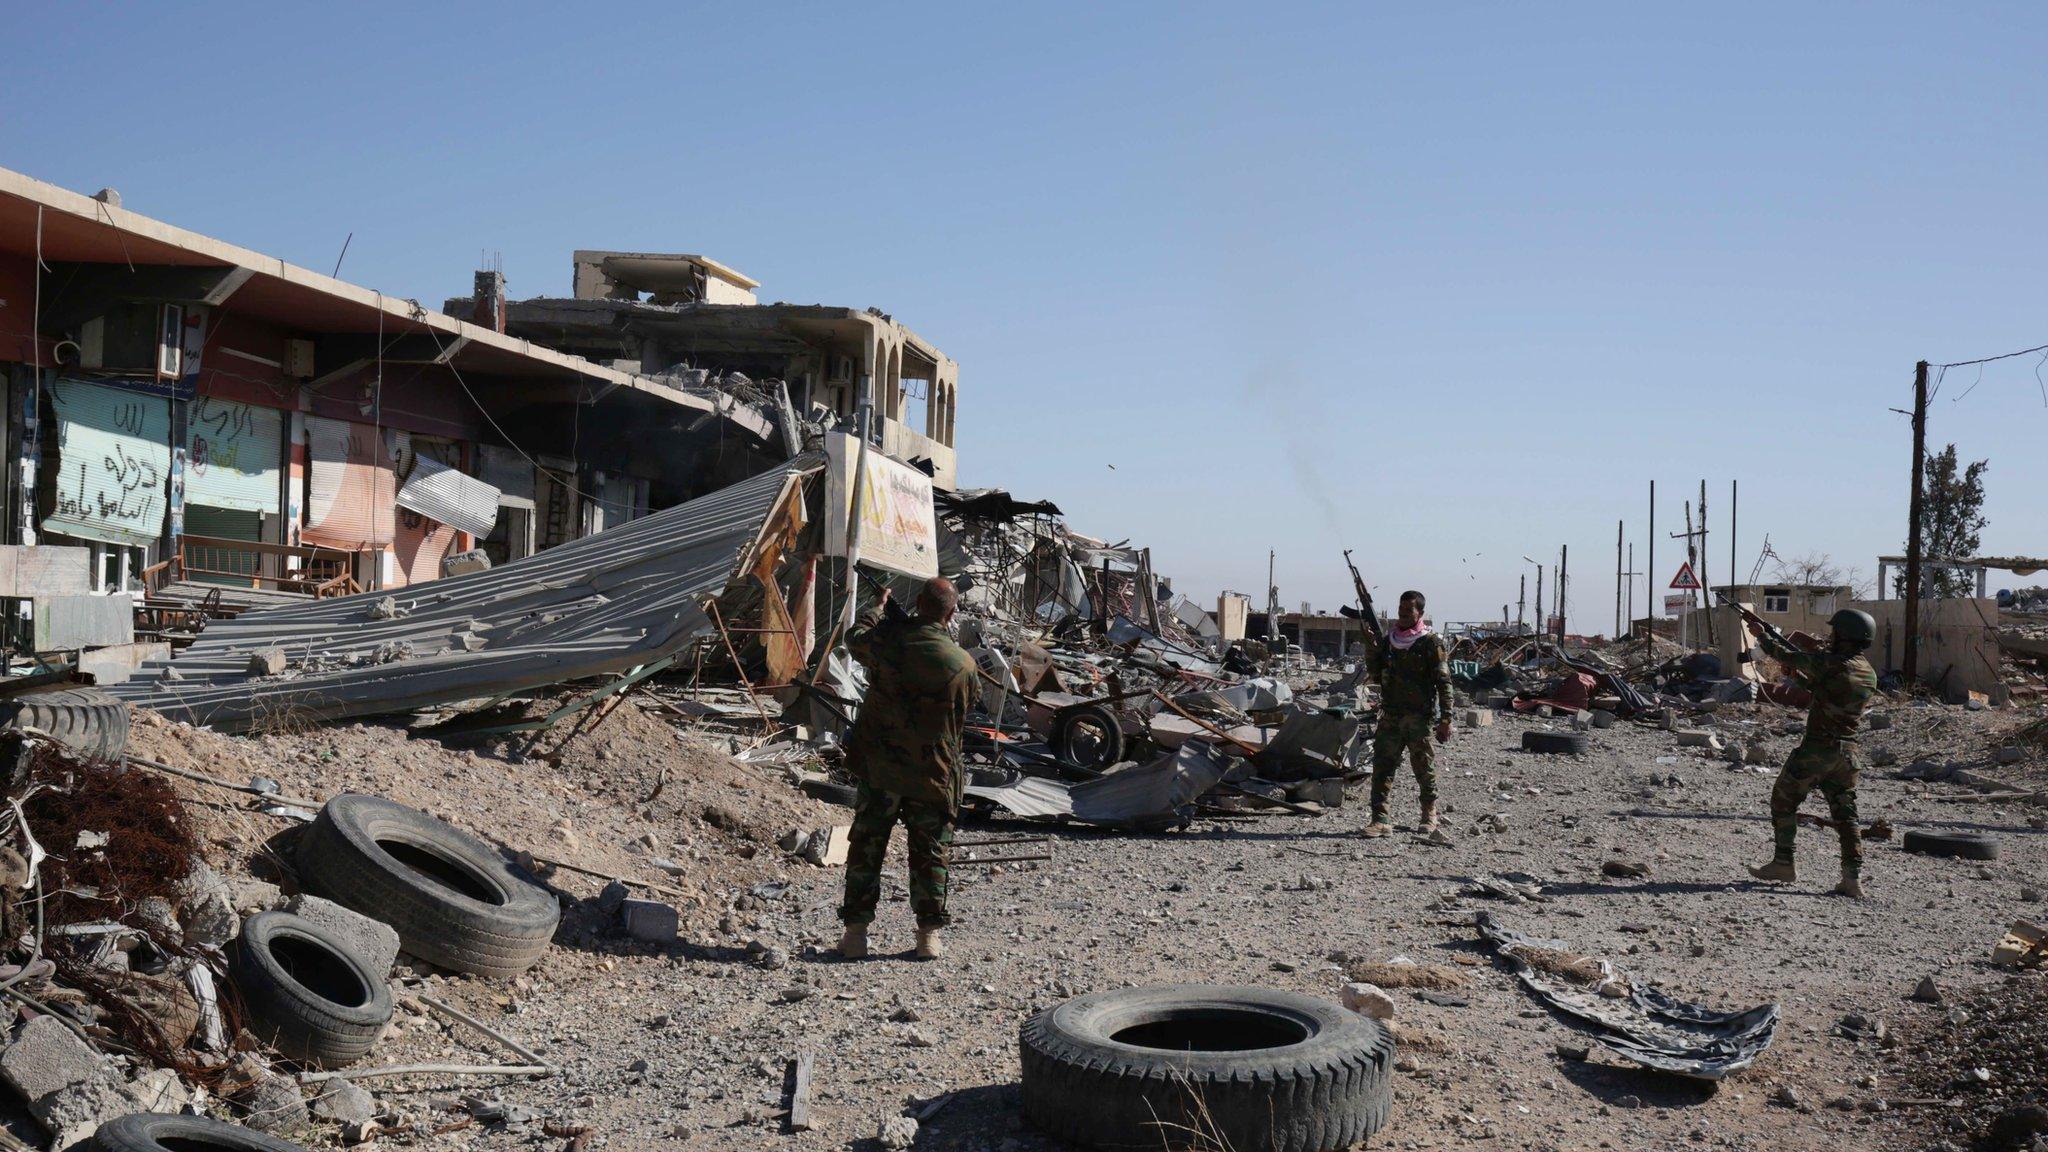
<point>233,454</point>
<point>598,605</point>
<point>446,495</point>
<point>113,464</point>
<point>350,490</point>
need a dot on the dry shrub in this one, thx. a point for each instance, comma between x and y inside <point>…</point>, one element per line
<point>1407,975</point>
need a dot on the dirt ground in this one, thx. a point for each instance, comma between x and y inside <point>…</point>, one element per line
<point>660,1045</point>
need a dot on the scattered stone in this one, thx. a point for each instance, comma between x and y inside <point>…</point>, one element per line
<point>268,662</point>
<point>612,897</point>
<point>270,1102</point>
<point>251,896</point>
<point>796,993</point>
<point>2030,895</point>
<point>896,1133</point>
<point>212,920</point>
<point>1883,757</point>
<point>344,1103</point>
<point>1630,1102</point>
<point>1878,721</point>
<point>47,1058</point>
<point>650,921</point>
<point>2011,754</point>
<point>1577,1053</point>
<point>1367,1000</point>
<point>1476,718</point>
<point>374,942</point>
<point>1625,870</point>
<point>918,1038</point>
<point>1698,738</point>
<point>1787,1096</point>
<point>1603,719</point>
<point>1925,992</point>
<point>905,1015</point>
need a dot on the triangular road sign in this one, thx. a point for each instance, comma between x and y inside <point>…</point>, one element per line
<point>1685,580</point>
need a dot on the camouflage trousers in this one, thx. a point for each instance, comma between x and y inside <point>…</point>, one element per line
<point>929,828</point>
<point>1399,732</point>
<point>1832,769</point>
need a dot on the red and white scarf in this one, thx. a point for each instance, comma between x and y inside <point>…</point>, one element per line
<point>1404,638</point>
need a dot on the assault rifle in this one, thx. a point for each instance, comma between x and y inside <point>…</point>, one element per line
<point>1762,626</point>
<point>1368,615</point>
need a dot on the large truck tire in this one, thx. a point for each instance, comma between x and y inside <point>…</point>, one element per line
<point>454,899</point>
<point>308,995</point>
<point>163,1132</point>
<point>1249,1069</point>
<point>85,720</point>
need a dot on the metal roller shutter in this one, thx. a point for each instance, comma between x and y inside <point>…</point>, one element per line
<point>233,454</point>
<point>510,473</point>
<point>113,464</point>
<point>350,489</point>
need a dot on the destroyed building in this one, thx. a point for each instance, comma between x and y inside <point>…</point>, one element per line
<point>693,321</point>
<point>198,413</point>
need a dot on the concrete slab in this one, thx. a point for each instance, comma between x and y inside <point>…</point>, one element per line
<point>70,622</point>
<point>117,662</point>
<point>45,570</point>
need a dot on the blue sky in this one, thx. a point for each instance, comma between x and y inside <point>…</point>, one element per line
<point>1446,284</point>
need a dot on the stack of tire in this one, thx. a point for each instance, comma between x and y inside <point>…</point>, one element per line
<point>453,900</point>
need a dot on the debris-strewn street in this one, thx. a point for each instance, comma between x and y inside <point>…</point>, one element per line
<point>659,1042</point>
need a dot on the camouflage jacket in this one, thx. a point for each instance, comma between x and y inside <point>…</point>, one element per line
<point>906,737</point>
<point>1416,682</point>
<point>1841,685</point>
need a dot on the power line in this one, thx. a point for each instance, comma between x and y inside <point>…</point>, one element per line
<point>1989,359</point>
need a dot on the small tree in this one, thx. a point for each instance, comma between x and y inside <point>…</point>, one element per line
<point>1819,570</point>
<point>1951,517</point>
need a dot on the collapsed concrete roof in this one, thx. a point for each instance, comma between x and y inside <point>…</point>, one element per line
<point>597,606</point>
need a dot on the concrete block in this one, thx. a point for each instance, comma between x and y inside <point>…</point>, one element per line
<point>268,662</point>
<point>1697,738</point>
<point>1367,1000</point>
<point>118,662</point>
<point>374,942</point>
<point>46,1059</point>
<point>1602,719</point>
<point>650,921</point>
<point>69,622</point>
<point>45,570</point>
<point>1475,718</point>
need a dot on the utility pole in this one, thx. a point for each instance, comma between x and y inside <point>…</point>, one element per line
<point>1632,574</point>
<point>1650,565</point>
<point>1734,491</point>
<point>1521,599</point>
<point>1617,579</point>
<point>1564,552</point>
<point>1541,622</point>
<point>1706,593</point>
<point>1272,598</point>
<point>1910,665</point>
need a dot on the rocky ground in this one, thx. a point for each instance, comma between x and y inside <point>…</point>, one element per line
<point>690,1042</point>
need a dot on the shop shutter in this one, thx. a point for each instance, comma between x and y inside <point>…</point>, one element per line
<point>510,473</point>
<point>113,464</point>
<point>350,489</point>
<point>233,453</point>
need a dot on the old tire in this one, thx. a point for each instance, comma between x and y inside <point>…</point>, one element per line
<point>1962,845</point>
<point>830,792</point>
<point>161,1132</point>
<point>1554,743</point>
<point>308,995</point>
<point>1087,735</point>
<point>1252,1069</point>
<point>85,720</point>
<point>453,899</point>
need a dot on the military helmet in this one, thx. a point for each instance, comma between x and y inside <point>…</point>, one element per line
<point>1854,627</point>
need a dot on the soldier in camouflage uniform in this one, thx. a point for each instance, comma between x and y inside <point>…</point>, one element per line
<point>1415,689</point>
<point>905,752</point>
<point>1842,683</point>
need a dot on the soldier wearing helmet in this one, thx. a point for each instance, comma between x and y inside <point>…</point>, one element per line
<point>1842,683</point>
